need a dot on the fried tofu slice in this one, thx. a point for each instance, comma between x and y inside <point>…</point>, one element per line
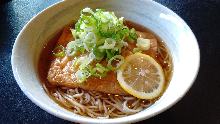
<point>62,73</point>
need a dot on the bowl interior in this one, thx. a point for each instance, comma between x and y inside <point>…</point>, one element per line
<point>162,21</point>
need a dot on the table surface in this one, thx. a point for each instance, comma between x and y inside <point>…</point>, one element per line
<point>200,105</point>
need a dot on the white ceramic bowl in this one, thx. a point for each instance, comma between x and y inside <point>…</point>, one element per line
<point>164,22</point>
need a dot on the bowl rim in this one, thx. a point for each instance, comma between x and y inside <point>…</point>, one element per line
<point>92,120</point>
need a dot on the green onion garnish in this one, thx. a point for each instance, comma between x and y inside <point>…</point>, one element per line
<point>118,59</point>
<point>59,51</point>
<point>101,35</point>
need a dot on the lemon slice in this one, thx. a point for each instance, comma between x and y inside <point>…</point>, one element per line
<point>141,76</point>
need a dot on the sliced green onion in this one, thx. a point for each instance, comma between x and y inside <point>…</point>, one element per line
<point>77,25</point>
<point>82,75</point>
<point>132,34</point>
<point>75,62</point>
<point>100,68</point>
<point>89,41</point>
<point>87,10</point>
<point>59,51</point>
<point>111,53</point>
<point>119,59</point>
<point>143,44</point>
<point>109,44</point>
<point>135,50</point>
<point>70,49</point>
<point>99,71</point>
<point>99,54</point>
<point>78,61</point>
<point>86,61</point>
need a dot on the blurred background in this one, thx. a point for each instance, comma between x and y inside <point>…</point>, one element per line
<point>200,105</point>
